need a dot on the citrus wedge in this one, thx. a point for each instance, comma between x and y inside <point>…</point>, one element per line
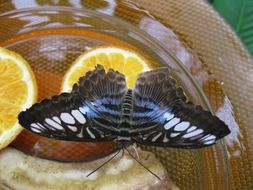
<point>18,91</point>
<point>127,62</point>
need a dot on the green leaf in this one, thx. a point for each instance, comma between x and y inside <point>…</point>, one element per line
<point>239,14</point>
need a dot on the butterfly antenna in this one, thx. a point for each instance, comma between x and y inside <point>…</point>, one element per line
<point>142,164</point>
<point>106,162</point>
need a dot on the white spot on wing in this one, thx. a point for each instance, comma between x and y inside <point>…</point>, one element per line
<point>211,137</point>
<point>182,126</point>
<point>67,118</point>
<point>165,139</point>
<point>80,135</point>
<point>79,116</point>
<point>35,128</point>
<point>203,138</point>
<point>42,126</point>
<point>193,133</point>
<point>192,128</point>
<point>90,133</point>
<point>84,109</point>
<point>209,142</point>
<point>171,123</point>
<point>72,128</point>
<point>174,134</point>
<point>146,136</point>
<point>156,137</point>
<point>56,119</point>
<point>53,124</point>
<point>168,116</point>
<point>35,125</point>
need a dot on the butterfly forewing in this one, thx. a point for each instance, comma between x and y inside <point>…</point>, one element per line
<point>162,117</point>
<point>91,112</point>
<point>65,117</point>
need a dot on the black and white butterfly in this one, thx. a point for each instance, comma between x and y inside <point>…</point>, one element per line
<point>102,108</point>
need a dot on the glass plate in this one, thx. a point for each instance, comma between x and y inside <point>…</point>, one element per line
<point>51,38</point>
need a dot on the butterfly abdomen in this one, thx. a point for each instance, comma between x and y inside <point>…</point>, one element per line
<point>124,133</point>
<point>127,105</point>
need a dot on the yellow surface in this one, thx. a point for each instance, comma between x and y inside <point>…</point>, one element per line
<point>18,91</point>
<point>126,61</point>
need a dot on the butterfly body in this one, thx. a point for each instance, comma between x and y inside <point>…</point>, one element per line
<point>127,105</point>
<point>102,108</point>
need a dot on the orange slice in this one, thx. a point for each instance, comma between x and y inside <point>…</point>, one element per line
<point>126,61</point>
<point>18,91</point>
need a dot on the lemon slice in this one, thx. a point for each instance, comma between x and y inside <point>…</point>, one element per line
<point>18,91</point>
<point>126,61</point>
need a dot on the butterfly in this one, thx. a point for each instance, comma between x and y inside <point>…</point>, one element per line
<point>101,107</point>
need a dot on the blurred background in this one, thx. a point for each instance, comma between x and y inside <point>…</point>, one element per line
<point>239,14</point>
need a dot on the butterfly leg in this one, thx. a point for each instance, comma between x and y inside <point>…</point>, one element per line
<point>123,152</point>
<point>136,151</point>
<point>142,164</point>
<point>106,162</point>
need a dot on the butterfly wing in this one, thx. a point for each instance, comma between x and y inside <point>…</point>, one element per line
<point>91,112</point>
<point>162,117</point>
<point>105,91</point>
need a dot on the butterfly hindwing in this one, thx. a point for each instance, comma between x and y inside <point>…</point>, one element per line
<point>91,112</point>
<point>155,91</point>
<point>162,117</point>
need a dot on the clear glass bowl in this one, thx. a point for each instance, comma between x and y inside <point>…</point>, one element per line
<point>51,38</point>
